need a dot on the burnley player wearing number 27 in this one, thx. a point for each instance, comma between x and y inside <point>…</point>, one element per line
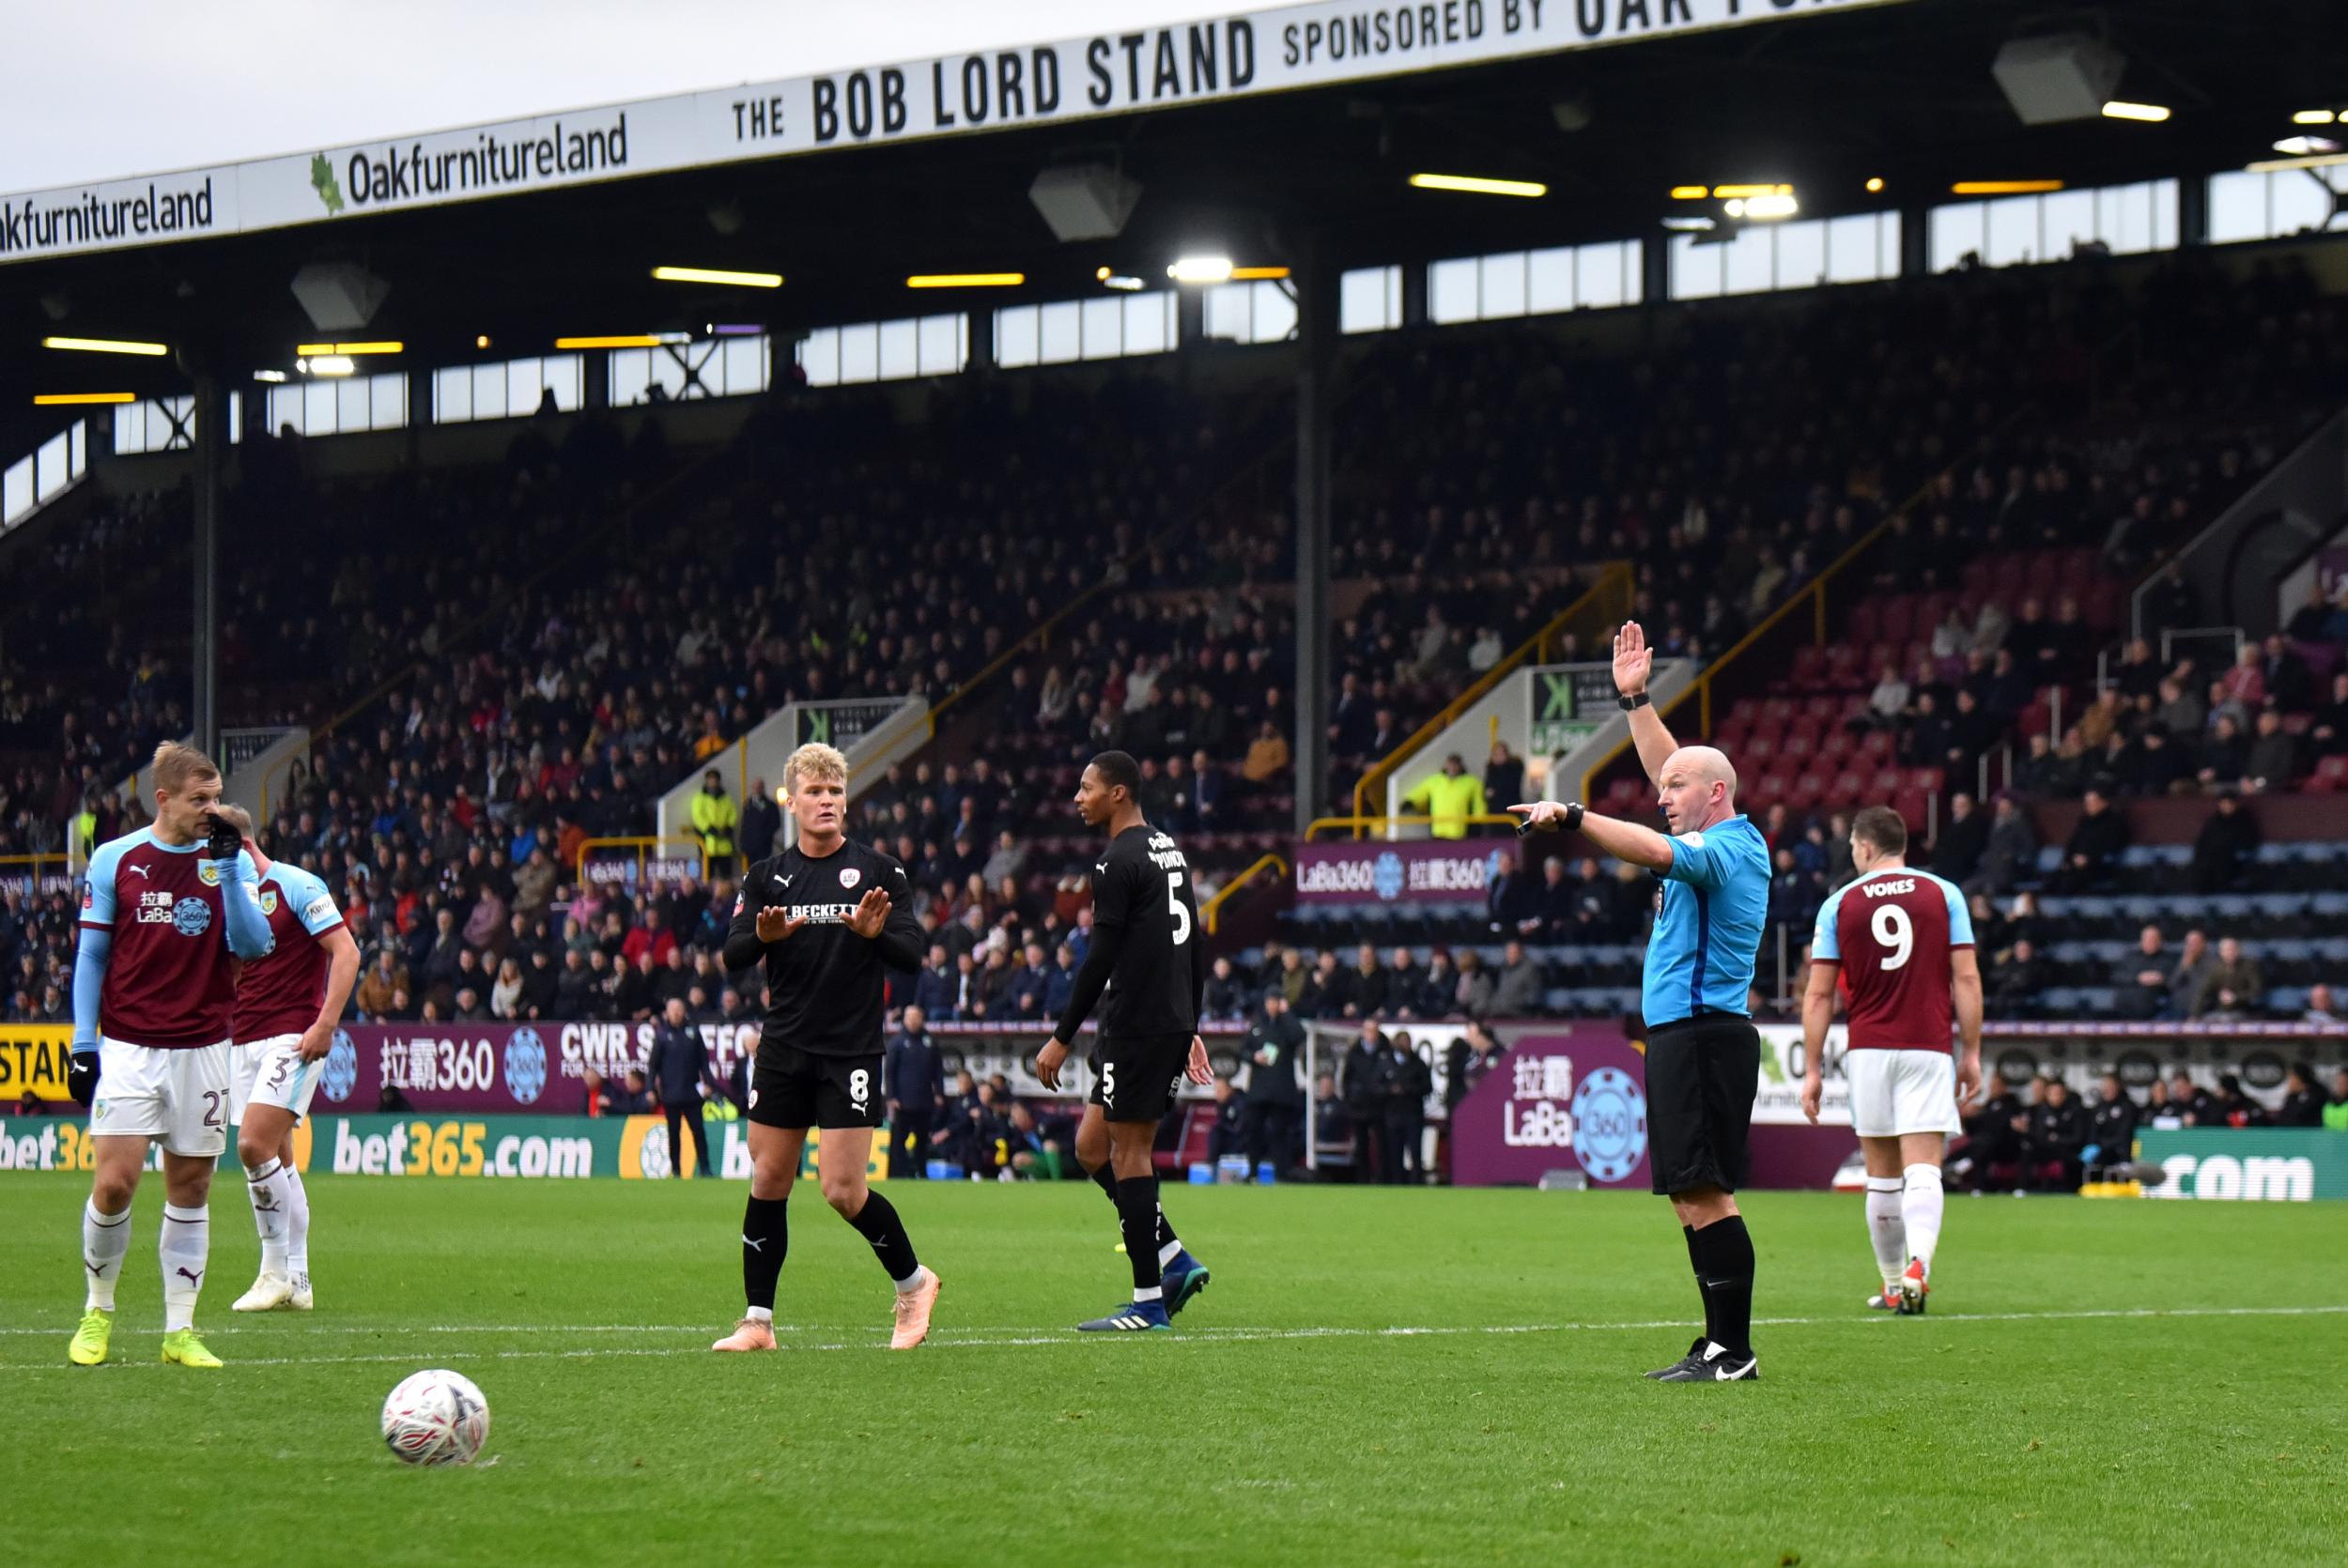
<point>824,917</point>
<point>1148,955</point>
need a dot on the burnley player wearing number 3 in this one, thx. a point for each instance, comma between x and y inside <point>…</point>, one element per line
<point>165,912</point>
<point>824,915</point>
<point>286,1008</point>
<point>1901,942</point>
<point>1145,917</point>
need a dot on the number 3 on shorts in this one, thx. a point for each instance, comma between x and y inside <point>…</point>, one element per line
<point>1180,910</point>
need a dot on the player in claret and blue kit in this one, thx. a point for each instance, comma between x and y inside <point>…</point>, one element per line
<point>1900,941</point>
<point>165,912</point>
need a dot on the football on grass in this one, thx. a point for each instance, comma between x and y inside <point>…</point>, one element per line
<point>436,1418</point>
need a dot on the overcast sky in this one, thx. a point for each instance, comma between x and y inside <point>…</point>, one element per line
<point>134,87</point>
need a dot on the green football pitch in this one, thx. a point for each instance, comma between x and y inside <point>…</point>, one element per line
<point>1373,1376</point>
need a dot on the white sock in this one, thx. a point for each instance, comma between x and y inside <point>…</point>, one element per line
<point>186,1245</point>
<point>759,1314</point>
<point>1920,1207</point>
<point>297,1226</point>
<point>1168,1253</point>
<point>272,1207</point>
<point>912,1281</point>
<point>106,1238</point>
<point>1154,1293</point>
<point>1886,1227</point>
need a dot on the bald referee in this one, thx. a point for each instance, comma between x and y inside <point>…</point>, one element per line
<point>1703,1054</point>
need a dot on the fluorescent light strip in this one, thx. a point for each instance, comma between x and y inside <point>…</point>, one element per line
<point>717,275</point>
<point>311,350</point>
<point>2314,117</point>
<point>2003,186</point>
<point>1202,270</point>
<point>2152,113</point>
<point>69,400</point>
<point>620,340</point>
<point>106,345</point>
<point>1738,192</point>
<point>1257,274</point>
<point>1477,185</point>
<point>1690,192</point>
<point>965,280</point>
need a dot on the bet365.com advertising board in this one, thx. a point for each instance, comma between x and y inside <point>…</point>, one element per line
<point>528,1149</point>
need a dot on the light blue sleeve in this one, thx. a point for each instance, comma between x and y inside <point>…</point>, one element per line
<point>240,900</point>
<point>1824,942</point>
<point>1960,917</point>
<point>89,984</point>
<point>97,885</point>
<point>313,904</point>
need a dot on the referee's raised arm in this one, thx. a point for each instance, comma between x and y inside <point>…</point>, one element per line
<point>1703,1054</point>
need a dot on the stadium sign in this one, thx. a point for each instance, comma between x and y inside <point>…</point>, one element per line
<point>33,1061</point>
<point>1449,871</point>
<point>1569,704</point>
<point>532,1067</point>
<point>1569,1099</point>
<point>2246,1164</point>
<point>1145,69</point>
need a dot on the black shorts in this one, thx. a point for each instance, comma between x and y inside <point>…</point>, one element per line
<point>1701,1077</point>
<point>798,1089</point>
<point>1139,1076</point>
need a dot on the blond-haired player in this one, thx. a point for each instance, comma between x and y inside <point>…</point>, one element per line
<point>824,917</point>
<point>165,912</point>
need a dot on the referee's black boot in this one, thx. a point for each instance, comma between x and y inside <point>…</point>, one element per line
<point>1707,1362</point>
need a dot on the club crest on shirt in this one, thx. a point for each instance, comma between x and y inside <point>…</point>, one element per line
<point>208,873</point>
<point>269,900</point>
<point>849,878</point>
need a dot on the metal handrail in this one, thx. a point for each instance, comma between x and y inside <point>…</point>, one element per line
<point>1208,912</point>
<point>1614,576</point>
<point>1360,826</point>
<point>640,843</point>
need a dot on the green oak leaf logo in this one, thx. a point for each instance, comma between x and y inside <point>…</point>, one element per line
<point>322,180</point>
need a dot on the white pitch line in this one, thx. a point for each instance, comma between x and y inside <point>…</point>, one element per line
<point>963,1341</point>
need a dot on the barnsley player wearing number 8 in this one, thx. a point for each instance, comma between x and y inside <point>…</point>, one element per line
<point>824,916</point>
<point>286,1004</point>
<point>164,911</point>
<point>1702,1053</point>
<point>1901,941</point>
<point>1144,916</point>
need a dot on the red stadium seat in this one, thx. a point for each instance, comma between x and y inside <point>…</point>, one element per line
<point>2330,775</point>
<point>1913,809</point>
<point>1806,792</point>
<point>1837,744</point>
<point>1841,665</point>
<point>1930,781</point>
<point>1875,746</point>
<point>1849,788</point>
<point>1887,783</point>
<point>1809,666</point>
<point>1866,622</point>
<point>1799,746</point>
<point>1762,747</point>
<point>1824,709</point>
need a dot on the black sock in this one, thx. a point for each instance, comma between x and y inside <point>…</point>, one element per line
<point>1105,1178</point>
<point>1137,1217</point>
<point>877,1222</point>
<point>1724,1264</point>
<point>765,1238</point>
<point>1703,1287</point>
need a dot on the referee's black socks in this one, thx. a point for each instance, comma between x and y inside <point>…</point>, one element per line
<point>1723,1254</point>
<point>877,1222</point>
<point>1137,1217</point>
<point>765,1238</point>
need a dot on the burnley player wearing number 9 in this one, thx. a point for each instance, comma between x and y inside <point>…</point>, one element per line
<point>286,1008</point>
<point>1901,942</point>
<point>165,912</point>
<point>824,916</point>
<point>1145,917</point>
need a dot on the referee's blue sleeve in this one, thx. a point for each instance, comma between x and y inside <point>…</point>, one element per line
<point>1696,860</point>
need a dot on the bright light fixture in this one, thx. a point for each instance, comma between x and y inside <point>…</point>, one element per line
<point>1769,208</point>
<point>1875,184</point>
<point>717,275</point>
<point>2152,113</point>
<point>1689,226</point>
<point>1690,192</point>
<point>623,340</point>
<point>1477,185</point>
<point>69,400</point>
<point>1257,274</point>
<point>965,280</point>
<point>1751,190</point>
<point>1202,270</point>
<point>2003,186</point>
<point>272,377</point>
<point>481,340</point>
<point>1123,285</point>
<point>2313,117</point>
<point>332,364</point>
<point>349,349</point>
<point>2304,146</point>
<point>106,345</point>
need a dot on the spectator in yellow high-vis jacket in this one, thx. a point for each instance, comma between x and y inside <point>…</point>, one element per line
<point>713,819</point>
<point>1450,797</point>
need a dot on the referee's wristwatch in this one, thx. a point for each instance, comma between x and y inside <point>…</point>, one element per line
<point>1571,822</point>
<point>1632,703</point>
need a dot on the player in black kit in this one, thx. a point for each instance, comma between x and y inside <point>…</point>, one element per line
<point>1149,958</point>
<point>824,916</point>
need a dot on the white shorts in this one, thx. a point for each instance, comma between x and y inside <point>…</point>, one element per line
<point>271,1072</point>
<point>1896,1092</point>
<point>180,1096</point>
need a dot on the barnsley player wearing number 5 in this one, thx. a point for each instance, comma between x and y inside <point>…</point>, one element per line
<point>824,917</point>
<point>1143,956</point>
<point>165,911</point>
<point>1901,942</point>
<point>286,1008</point>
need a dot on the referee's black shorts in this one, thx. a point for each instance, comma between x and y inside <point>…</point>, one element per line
<point>1702,1073</point>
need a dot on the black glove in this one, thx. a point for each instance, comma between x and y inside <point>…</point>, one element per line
<point>225,840</point>
<point>81,1077</point>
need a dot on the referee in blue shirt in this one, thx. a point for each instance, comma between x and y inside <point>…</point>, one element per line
<point>1702,1053</point>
